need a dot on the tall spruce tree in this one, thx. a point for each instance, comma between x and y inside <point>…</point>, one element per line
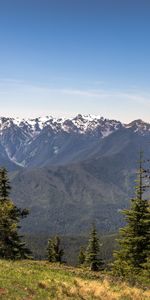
<point>81,257</point>
<point>11,244</point>
<point>50,251</point>
<point>4,185</point>
<point>54,252</point>
<point>57,250</point>
<point>92,258</point>
<point>134,240</point>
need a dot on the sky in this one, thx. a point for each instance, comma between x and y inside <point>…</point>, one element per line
<point>64,57</point>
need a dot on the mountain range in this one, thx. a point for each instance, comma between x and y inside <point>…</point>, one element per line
<point>71,172</point>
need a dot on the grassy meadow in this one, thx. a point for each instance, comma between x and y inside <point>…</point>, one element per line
<point>27,280</point>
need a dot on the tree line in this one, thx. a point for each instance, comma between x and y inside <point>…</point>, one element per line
<point>132,255</point>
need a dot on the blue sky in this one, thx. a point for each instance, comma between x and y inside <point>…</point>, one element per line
<point>63,57</point>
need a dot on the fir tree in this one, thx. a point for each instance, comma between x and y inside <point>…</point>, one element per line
<point>145,273</point>
<point>92,252</point>
<point>134,240</point>
<point>55,253</point>
<point>58,251</point>
<point>81,257</point>
<point>11,245</point>
<point>50,251</point>
<point>4,185</point>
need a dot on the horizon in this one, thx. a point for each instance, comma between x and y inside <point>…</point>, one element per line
<point>67,57</point>
<point>48,116</point>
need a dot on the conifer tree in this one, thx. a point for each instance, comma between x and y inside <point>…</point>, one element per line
<point>58,251</point>
<point>11,245</point>
<point>50,251</point>
<point>92,252</point>
<point>55,253</point>
<point>134,240</point>
<point>4,185</point>
<point>146,269</point>
<point>81,257</point>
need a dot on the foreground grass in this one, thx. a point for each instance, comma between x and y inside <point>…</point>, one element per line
<point>27,280</point>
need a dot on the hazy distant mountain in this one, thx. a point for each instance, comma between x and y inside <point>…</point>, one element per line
<point>50,141</point>
<point>75,171</point>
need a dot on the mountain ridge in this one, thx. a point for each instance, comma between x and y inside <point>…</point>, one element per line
<point>47,140</point>
<point>70,172</point>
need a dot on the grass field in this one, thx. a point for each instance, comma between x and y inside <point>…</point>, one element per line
<point>27,280</point>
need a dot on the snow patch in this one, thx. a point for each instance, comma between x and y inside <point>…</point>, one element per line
<point>13,159</point>
<point>56,150</point>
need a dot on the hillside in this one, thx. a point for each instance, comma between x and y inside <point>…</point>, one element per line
<point>69,172</point>
<point>41,280</point>
<point>71,246</point>
<point>66,199</point>
<point>39,142</point>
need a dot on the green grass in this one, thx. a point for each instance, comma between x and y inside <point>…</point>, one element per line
<point>41,280</point>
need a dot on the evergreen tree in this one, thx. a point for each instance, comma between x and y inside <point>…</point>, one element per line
<point>50,251</point>
<point>55,253</point>
<point>146,270</point>
<point>92,252</point>
<point>134,240</point>
<point>58,251</point>
<point>11,245</point>
<point>81,257</point>
<point>4,185</point>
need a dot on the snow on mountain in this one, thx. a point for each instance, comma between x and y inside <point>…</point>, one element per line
<point>139,126</point>
<point>81,124</point>
<point>45,139</point>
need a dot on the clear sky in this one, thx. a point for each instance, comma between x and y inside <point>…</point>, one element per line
<point>63,57</point>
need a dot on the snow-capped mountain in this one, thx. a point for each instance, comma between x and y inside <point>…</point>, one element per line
<point>79,124</point>
<point>140,127</point>
<point>48,140</point>
<point>71,171</point>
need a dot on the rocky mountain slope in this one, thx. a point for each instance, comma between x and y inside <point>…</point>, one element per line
<point>70,172</point>
<point>50,141</point>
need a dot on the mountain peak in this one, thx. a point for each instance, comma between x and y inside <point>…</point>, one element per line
<point>139,126</point>
<point>34,141</point>
<point>137,122</point>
